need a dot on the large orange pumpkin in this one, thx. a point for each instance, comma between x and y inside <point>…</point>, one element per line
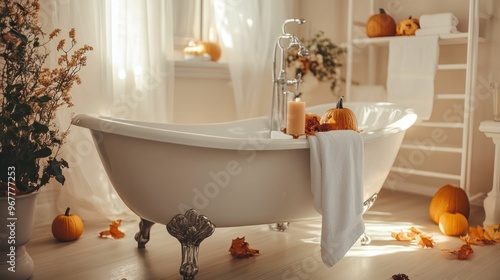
<point>340,118</point>
<point>449,199</point>
<point>380,25</point>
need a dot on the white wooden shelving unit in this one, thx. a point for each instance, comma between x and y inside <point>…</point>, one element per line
<point>462,150</point>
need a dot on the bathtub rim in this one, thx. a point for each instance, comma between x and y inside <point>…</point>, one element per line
<point>144,130</point>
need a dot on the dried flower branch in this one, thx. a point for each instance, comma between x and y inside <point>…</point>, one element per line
<point>31,94</point>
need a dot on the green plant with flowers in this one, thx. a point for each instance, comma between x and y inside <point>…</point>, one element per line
<point>31,93</point>
<point>323,61</point>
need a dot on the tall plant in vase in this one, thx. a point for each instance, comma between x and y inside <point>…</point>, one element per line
<point>31,93</point>
<point>30,140</point>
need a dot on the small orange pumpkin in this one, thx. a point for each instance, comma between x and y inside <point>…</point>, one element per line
<point>453,224</point>
<point>67,227</point>
<point>380,25</point>
<point>407,27</point>
<point>340,118</point>
<point>449,199</point>
<point>211,48</point>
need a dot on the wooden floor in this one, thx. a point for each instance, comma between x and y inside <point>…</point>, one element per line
<point>284,255</point>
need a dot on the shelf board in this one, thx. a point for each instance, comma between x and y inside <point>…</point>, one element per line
<point>444,39</point>
<point>439,124</point>
<point>432,148</point>
<point>425,173</point>
<point>450,96</point>
<point>201,69</point>
<point>458,66</point>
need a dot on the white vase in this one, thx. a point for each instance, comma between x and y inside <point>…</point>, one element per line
<point>16,228</point>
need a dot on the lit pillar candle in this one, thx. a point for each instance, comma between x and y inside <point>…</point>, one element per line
<point>296,118</point>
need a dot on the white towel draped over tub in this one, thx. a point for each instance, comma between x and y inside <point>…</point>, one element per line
<point>337,187</point>
<point>411,71</point>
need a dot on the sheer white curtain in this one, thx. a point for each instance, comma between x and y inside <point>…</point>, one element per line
<point>129,74</point>
<point>248,30</point>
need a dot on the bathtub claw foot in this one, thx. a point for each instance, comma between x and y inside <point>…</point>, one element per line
<point>142,236</point>
<point>369,202</point>
<point>279,226</point>
<point>190,229</point>
<point>365,239</point>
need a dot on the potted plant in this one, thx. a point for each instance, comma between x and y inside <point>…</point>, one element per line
<point>323,62</point>
<point>31,94</point>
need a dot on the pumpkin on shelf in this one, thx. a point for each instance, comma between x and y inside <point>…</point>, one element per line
<point>449,199</point>
<point>67,227</point>
<point>453,224</point>
<point>380,25</point>
<point>407,27</point>
<point>340,118</point>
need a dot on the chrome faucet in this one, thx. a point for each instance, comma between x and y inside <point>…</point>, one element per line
<point>280,81</point>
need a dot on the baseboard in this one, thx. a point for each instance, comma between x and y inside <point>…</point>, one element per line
<point>424,190</point>
<point>413,188</point>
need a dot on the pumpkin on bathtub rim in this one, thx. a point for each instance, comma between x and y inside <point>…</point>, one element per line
<point>380,25</point>
<point>449,199</point>
<point>340,118</point>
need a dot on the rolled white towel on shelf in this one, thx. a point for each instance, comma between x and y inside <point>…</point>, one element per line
<point>438,20</point>
<point>436,30</point>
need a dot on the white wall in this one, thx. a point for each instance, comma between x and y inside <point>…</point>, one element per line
<point>203,95</point>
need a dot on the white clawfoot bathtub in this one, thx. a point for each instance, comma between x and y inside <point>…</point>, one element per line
<point>232,172</point>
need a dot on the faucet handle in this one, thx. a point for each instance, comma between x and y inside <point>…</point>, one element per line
<point>299,81</point>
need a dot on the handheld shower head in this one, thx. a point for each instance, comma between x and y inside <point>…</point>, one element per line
<point>303,51</point>
<point>295,43</point>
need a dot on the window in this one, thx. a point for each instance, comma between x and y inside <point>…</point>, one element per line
<point>186,21</point>
<point>193,20</point>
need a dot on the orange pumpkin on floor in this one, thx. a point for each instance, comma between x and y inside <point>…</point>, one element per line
<point>67,227</point>
<point>449,199</point>
<point>453,224</point>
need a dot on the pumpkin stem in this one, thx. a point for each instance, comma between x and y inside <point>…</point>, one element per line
<point>67,212</point>
<point>339,104</point>
<point>382,11</point>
